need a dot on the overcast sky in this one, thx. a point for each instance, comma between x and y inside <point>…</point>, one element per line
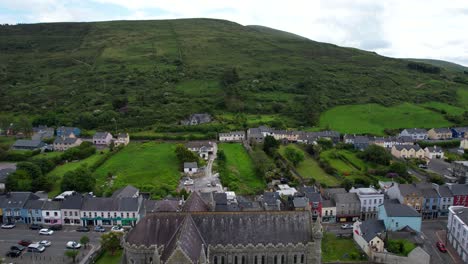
<point>395,28</point>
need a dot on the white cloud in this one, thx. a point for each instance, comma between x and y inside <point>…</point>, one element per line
<point>397,28</point>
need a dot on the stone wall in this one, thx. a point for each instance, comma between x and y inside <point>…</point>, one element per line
<point>417,256</point>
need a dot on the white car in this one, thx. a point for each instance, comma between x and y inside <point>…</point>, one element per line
<point>45,243</point>
<point>36,247</point>
<point>8,226</point>
<point>46,231</point>
<point>117,229</point>
<point>346,226</point>
<point>188,182</point>
<point>73,245</point>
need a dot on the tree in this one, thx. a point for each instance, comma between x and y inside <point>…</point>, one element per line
<point>347,184</point>
<point>270,145</point>
<point>79,180</point>
<point>185,155</point>
<point>111,242</point>
<point>293,155</point>
<point>112,146</point>
<point>84,240</point>
<point>230,77</point>
<point>399,168</point>
<point>19,181</point>
<point>72,254</point>
<point>376,154</point>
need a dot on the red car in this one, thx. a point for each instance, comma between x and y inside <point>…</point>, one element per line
<point>25,243</point>
<point>441,247</point>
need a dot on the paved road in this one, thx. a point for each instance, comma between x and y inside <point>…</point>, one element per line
<point>433,231</point>
<point>54,253</point>
<point>439,166</point>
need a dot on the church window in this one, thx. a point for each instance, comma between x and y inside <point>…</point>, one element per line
<point>255,260</point>
<point>276,259</point>
<point>263,259</point>
<point>302,258</point>
<point>295,259</point>
<point>243,259</point>
<point>235,260</point>
<point>282,259</point>
<point>215,260</point>
<point>222,260</point>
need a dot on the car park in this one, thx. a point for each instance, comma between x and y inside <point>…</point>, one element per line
<point>17,247</point>
<point>36,247</point>
<point>82,229</point>
<point>73,245</point>
<point>99,229</point>
<point>8,226</point>
<point>441,247</point>
<point>117,229</point>
<point>35,227</point>
<point>46,232</point>
<point>24,242</point>
<point>13,253</point>
<point>45,243</point>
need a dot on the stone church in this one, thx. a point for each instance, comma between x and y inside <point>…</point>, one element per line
<point>195,234</point>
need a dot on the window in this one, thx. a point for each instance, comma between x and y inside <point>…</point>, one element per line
<point>302,258</point>
<point>282,259</point>
<point>55,214</point>
<point>84,214</point>
<point>235,260</point>
<point>365,202</point>
<point>65,213</point>
<point>295,259</point>
<point>215,260</point>
<point>222,260</point>
<point>76,213</point>
<point>95,214</point>
<point>243,259</point>
<point>47,213</point>
<point>263,259</point>
<point>326,212</point>
<point>275,260</point>
<point>256,260</point>
<point>380,201</point>
<point>396,224</point>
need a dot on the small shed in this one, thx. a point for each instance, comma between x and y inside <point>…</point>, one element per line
<point>190,167</point>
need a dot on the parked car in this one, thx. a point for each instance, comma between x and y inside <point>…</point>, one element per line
<point>46,231</point>
<point>82,229</point>
<point>13,253</point>
<point>99,229</point>
<point>36,247</point>
<point>117,229</point>
<point>45,243</point>
<point>17,247</point>
<point>24,242</point>
<point>35,227</point>
<point>441,247</point>
<point>422,166</point>
<point>346,226</point>
<point>8,226</point>
<point>73,245</point>
<point>55,227</point>
<point>188,182</point>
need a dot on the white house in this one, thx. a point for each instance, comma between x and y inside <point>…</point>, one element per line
<point>122,139</point>
<point>415,133</point>
<point>102,138</point>
<point>370,200</point>
<point>458,230</point>
<point>369,235</point>
<point>233,136</point>
<point>190,167</point>
<point>51,213</point>
<point>464,144</point>
<point>328,211</point>
<point>286,190</point>
<point>434,152</point>
<point>203,149</point>
<point>71,208</point>
<point>110,211</point>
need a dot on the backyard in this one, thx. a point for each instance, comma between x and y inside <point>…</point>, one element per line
<point>240,174</point>
<point>151,167</point>
<point>336,249</point>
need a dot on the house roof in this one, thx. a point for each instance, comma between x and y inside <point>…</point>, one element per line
<point>17,199</point>
<point>444,191</point>
<point>361,140</point>
<point>300,202</point>
<point>225,228</point>
<point>406,189</point>
<point>73,201</point>
<point>232,133</point>
<point>52,205</point>
<point>328,203</point>
<point>34,204</point>
<point>123,135</point>
<point>271,198</point>
<point>459,189</point>
<point>416,130</point>
<point>195,203</point>
<point>435,149</point>
<point>328,193</point>
<point>66,140</point>
<point>101,135</point>
<point>371,229</point>
<point>165,205</point>
<point>127,191</point>
<point>110,204</point>
<point>405,139</point>
<point>427,190</point>
<point>4,174</point>
<point>190,165</point>
<point>460,129</point>
<point>442,130</point>
<point>346,198</point>
<point>399,210</point>
<point>198,144</point>
<point>462,213</point>
<point>28,143</point>
<point>407,147</point>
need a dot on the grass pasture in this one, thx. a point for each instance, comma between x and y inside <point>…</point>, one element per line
<point>374,118</point>
<point>450,109</point>
<point>240,176</point>
<point>339,249</point>
<point>463,97</point>
<point>344,161</point>
<point>310,169</point>
<point>149,166</point>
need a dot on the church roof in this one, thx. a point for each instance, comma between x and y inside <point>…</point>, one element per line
<point>195,203</point>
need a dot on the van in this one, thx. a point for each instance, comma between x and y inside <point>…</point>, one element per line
<point>36,247</point>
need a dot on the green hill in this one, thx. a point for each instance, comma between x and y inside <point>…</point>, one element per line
<point>443,64</point>
<point>152,73</point>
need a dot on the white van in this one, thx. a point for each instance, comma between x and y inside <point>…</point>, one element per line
<point>36,247</point>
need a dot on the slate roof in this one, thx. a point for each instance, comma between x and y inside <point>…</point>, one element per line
<point>122,135</point>
<point>198,144</point>
<point>407,147</point>
<point>226,227</point>
<point>73,201</point>
<point>444,191</point>
<point>300,202</point>
<point>67,140</point>
<point>4,174</point>
<point>246,204</point>
<point>166,205</point>
<point>34,204</point>
<point>100,135</point>
<point>328,203</point>
<point>405,139</point>
<point>127,191</point>
<point>427,190</point>
<point>190,165</point>
<point>459,189</point>
<point>435,149</point>
<point>17,199</point>
<point>460,129</point>
<point>399,210</point>
<point>52,205</point>
<point>442,130</point>
<point>28,143</point>
<point>232,133</point>
<point>346,198</point>
<point>462,213</point>
<point>406,189</point>
<point>270,198</point>
<point>328,193</point>
<point>416,131</point>
<point>371,229</point>
<point>195,203</point>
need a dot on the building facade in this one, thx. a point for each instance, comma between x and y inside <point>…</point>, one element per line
<point>370,200</point>
<point>415,133</point>
<point>398,216</point>
<point>457,230</point>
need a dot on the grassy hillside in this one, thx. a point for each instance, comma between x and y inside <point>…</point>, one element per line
<point>443,64</point>
<point>153,73</point>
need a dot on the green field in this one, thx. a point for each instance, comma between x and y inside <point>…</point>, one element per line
<point>309,168</point>
<point>152,167</point>
<point>339,249</point>
<point>48,155</point>
<point>58,172</point>
<point>240,176</point>
<point>450,109</point>
<point>463,97</point>
<point>344,161</point>
<point>373,118</point>
<point>107,258</point>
